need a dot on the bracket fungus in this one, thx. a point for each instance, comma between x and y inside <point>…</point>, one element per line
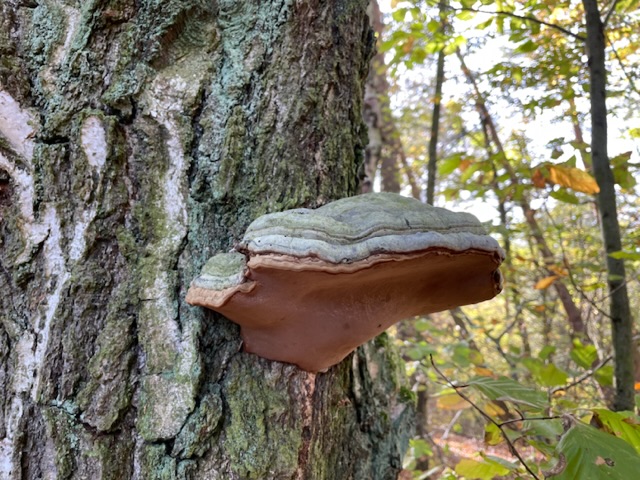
<point>309,286</point>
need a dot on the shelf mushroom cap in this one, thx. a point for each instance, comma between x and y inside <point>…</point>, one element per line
<point>309,286</point>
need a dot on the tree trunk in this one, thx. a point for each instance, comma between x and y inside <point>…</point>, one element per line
<point>574,316</point>
<point>136,140</point>
<point>435,116</point>
<point>620,313</point>
<point>385,149</point>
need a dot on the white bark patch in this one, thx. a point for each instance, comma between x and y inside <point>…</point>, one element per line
<point>7,444</point>
<point>55,271</point>
<point>16,126</point>
<point>165,348</point>
<point>94,142</point>
<point>93,139</point>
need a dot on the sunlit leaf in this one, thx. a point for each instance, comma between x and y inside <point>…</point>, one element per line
<point>590,454</point>
<point>625,255</point>
<point>551,375</point>
<point>624,425</point>
<point>480,470</point>
<point>573,178</point>
<point>527,47</point>
<point>546,282</point>
<point>509,390</point>
<point>448,165</point>
<point>451,401</point>
<point>584,355</point>
<point>492,435</point>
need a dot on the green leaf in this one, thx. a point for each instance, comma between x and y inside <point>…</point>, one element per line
<point>552,376</point>
<point>623,425</point>
<point>621,254</point>
<point>604,376</point>
<point>420,448</point>
<point>465,15</point>
<point>563,195</point>
<point>546,352</point>
<point>399,14</point>
<point>584,355</point>
<point>590,454</point>
<point>484,470</point>
<point>527,47</point>
<point>509,390</point>
<point>449,164</point>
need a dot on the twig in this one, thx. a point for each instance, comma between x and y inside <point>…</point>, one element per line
<point>522,17</point>
<point>488,417</point>
<point>609,13</point>
<point>582,377</point>
<point>569,272</point>
<point>516,420</point>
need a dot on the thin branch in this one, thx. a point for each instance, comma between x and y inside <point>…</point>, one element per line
<point>488,417</point>
<point>525,18</point>
<point>624,70</point>
<point>582,377</point>
<point>608,16</point>
<point>516,420</point>
<point>565,261</point>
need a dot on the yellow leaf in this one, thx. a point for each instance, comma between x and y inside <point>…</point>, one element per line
<point>573,178</point>
<point>452,401</point>
<point>546,282</point>
<point>494,409</point>
<point>483,372</point>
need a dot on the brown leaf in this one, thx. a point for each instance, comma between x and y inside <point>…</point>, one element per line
<point>538,178</point>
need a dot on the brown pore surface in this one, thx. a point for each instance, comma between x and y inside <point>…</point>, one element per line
<point>313,313</point>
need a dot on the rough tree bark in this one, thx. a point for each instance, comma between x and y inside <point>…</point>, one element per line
<point>620,313</point>
<point>137,139</point>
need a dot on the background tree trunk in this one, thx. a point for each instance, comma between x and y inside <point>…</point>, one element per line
<point>136,140</point>
<point>619,310</point>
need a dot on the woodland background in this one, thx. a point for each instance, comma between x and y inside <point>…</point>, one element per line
<point>498,108</point>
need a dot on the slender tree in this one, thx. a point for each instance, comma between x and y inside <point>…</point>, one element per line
<point>619,311</point>
<point>136,140</point>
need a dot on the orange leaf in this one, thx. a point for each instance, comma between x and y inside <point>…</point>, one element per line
<point>464,164</point>
<point>573,178</point>
<point>540,308</point>
<point>636,386</point>
<point>546,282</point>
<point>483,372</point>
<point>561,272</point>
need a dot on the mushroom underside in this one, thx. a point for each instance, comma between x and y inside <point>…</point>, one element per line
<point>314,313</point>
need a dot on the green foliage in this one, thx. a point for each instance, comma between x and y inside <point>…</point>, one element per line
<point>518,358</point>
<point>590,454</point>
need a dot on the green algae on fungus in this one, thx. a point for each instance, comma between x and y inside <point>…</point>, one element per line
<point>315,284</point>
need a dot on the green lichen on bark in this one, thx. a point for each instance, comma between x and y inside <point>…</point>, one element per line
<point>263,433</point>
